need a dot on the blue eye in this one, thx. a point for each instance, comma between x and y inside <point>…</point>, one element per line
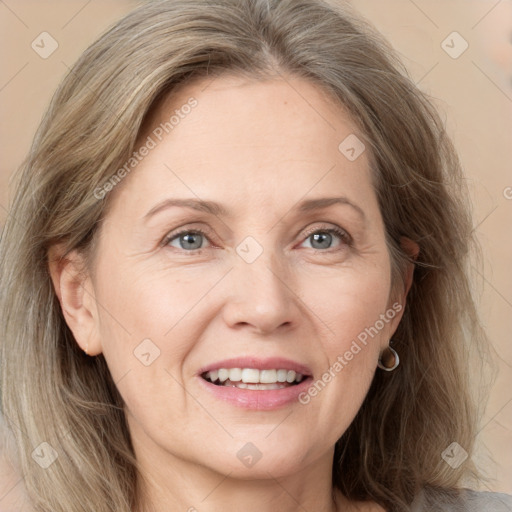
<point>189,240</point>
<point>324,237</point>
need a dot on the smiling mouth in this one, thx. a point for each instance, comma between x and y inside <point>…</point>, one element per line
<point>252,378</point>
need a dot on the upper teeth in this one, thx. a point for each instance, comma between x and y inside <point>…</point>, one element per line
<point>253,376</point>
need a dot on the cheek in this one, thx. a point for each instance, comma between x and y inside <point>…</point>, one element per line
<point>139,318</point>
<point>350,304</point>
<point>356,318</point>
<point>149,323</point>
<point>141,302</point>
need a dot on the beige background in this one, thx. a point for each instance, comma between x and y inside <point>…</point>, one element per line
<point>474,92</point>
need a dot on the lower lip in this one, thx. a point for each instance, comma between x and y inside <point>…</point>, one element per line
<point>256,399</point>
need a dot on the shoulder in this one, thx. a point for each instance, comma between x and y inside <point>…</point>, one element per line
<point>488,501</point>
<point>463,500</point>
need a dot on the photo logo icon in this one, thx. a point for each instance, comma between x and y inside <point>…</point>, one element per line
<point>249,455</point>
<point>454,45</point>
<point>454,455</point>
<point>45,455</point>
<point>146,352</point>
<point>351,147</point>
<point>249,249</point>
<point>44,45</point>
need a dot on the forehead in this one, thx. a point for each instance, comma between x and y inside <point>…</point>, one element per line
<point>237,139</point>
<point>264,106</point>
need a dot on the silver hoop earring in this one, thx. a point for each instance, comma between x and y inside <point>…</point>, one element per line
<point>388,361</point>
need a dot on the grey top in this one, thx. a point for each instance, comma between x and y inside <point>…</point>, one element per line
<point>467,501</point>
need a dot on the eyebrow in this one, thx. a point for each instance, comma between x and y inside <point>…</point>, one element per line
<point>217,209</point>
<point>324,202</point>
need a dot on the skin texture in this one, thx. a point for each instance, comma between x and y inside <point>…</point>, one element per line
<point>259,149</point>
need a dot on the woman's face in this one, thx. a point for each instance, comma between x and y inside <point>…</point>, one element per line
<point>266,287</point>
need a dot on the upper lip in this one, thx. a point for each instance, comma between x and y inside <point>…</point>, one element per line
<point>270,363</point>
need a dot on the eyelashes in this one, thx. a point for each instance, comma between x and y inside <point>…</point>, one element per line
<point>338,232</point>
<point>177,235</point>
<point>317,232</point>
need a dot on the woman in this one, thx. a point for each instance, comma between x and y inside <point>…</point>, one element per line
<point>234,275</point>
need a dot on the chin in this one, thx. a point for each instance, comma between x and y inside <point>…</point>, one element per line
<point>258,457</point>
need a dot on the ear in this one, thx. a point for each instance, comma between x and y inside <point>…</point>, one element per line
<point>412,249</point>
<point>75,292</point>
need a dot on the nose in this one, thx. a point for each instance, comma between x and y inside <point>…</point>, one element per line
<point>262,295</point>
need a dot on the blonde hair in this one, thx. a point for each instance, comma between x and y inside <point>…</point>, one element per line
<point>52,392</point>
